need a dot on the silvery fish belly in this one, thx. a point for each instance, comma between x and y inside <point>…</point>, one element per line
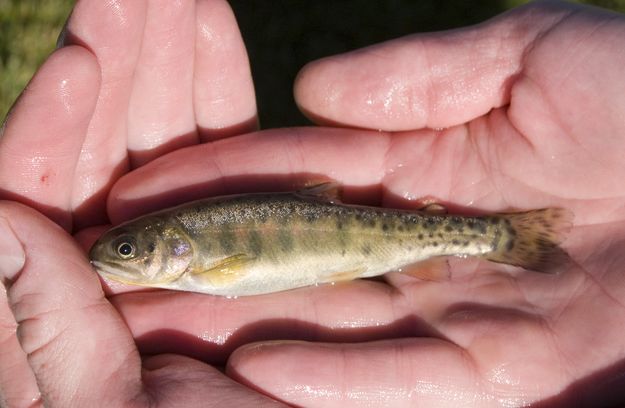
<point>261,243</point>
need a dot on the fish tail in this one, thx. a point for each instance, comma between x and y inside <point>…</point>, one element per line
<point>532,239</point>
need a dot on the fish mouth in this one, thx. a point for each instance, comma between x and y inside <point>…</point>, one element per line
<point>115,274</point>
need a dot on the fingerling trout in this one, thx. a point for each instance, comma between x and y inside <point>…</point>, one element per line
<point>252,244</point>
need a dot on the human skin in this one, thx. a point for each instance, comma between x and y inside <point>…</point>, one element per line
<point>523,111</point>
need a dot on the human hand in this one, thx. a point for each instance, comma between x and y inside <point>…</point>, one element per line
<point>135,80</point>
<point>528,112</point>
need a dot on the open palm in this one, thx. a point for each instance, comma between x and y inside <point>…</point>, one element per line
<point>527,112</point>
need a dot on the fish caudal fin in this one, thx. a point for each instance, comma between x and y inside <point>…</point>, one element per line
<point>532,240</point>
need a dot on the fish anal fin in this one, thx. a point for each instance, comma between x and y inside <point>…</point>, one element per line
<point>431,269</point>
<point>226,271</point>
<point>344,276</point>
<point>322,188</point>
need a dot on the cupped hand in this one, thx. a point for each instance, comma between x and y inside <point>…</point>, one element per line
<point>521,112</point>
<point>131,81</point>
<point>526,112</point>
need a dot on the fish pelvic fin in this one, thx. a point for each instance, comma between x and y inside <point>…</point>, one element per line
<point>226,271</point>
<point>345,276</point>
<point>532,240</point>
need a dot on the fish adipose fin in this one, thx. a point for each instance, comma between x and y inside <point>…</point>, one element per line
<point>226,271</point>
<point>532,240</point>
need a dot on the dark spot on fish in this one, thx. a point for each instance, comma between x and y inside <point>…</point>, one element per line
<point>496,238</point>
<point>358,217</point>
<point>510,244</point>
<point>430,222</point>
<point>420,236</point>
<point>479,226</point>
<point>285,238</point>
<point>493,220</point>
<point>311,216</point>
<point>448,228</point>
<point>366,249</point>
<point>400,228</point>
<point>431,235</point>
<point>385,227</point>
<point>455,242</point>
<point>371,222</point>
<point>511,231</point>
<point>227,240</point>
<point>343,252</point>
<point>151,247</point>
<point>434,243</point>
<point>339,225</point>
<point>263,216</point>
<point>465,243</point>
<point>456,221</point>
<point>255,242</point>
<point>473,236</point>
<point>440,235</point>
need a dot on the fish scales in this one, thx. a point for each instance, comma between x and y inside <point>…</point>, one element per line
<point>261,243</point>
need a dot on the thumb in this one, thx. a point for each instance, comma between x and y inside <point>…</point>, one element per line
<point>77,346</point>
<point>74,342</point>
<point>426,80</point>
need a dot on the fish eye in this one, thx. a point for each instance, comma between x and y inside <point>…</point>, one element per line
<point>125,249</point>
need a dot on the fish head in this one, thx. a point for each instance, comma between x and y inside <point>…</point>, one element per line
<point>145,252</point>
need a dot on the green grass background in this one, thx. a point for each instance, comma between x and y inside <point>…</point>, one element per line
<point>281,36</point>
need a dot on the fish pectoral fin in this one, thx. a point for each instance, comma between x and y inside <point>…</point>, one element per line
<point>432,269</point>
<point>344,276</point>
<point>326,189</point>
<point>226,271</point>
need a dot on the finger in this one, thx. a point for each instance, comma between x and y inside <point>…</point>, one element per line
<point>425,80</point>
<point>211,327</point>
<point>113,31</point>
<point>181,381</point>
<point>398,373</point>
<point>18,387</point>
<point>229,166</point>
<point>160,110</point>
<point>64,324</point>
<point>223,91</point>
<point>45,131</point>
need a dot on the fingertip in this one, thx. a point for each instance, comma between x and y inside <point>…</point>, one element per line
<point>45,130</point>
<point>12,256</point>
<point>224,96</point>
<point>432,80</point>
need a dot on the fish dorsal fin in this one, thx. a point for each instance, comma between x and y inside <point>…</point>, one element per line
<point>432,269</point>
<point>327,189</point>
<point>226,271</point>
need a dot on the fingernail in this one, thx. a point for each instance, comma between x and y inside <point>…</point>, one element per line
<point>12,255</point>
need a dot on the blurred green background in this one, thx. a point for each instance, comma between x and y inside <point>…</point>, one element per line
<point>281,36</point>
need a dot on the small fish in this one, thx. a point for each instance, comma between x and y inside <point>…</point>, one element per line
<point>252,244</point>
